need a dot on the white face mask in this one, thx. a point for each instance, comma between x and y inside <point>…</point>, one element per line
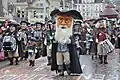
<point>12,29</point>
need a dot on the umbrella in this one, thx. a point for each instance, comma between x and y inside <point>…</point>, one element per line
<point>109,13</point>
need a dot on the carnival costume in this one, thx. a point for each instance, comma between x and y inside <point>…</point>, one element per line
<point>64,56</point>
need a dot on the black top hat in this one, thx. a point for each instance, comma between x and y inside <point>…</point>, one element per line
<point>75,14</point>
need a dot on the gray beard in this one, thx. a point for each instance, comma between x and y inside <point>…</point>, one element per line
<point>62,36</point>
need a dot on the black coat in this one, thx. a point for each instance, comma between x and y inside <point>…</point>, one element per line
<point>75,63</point>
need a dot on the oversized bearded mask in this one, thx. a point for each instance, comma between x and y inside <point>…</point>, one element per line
<point>64,24</point>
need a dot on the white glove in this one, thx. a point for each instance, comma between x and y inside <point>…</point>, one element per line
<point>36,51</point>
<point>51,37</point>
<point>67,41</point>
<point>45,42</point>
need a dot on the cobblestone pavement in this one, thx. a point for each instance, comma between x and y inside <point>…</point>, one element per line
<point>92,70</point>
<point>39,72</point>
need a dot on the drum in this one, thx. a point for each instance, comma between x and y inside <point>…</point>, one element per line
<point>9,43</point>
<point>107,46</point>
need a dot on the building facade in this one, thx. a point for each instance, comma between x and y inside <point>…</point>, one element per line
<point>38,11</point>
<point>90,9</point>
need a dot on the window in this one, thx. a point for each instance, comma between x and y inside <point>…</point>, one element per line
<point>83,9</point>
<point>83,5</point>
<point>37,5</point>
<point>41,11</point>
<point>41,16</point>
<point>41,5</point>
<point>83,14</point>
<point>87,14</point>
<point>32,16</point>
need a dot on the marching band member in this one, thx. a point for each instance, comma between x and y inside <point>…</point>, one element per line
<point>35,43</point>
<point>38,35</point>
<point>32,50</point>
<point>77,34</point>
<point>49,38</point>
<point>64,56</point>
<point>10,44</point>
<point>22,36</point>
<point>101,36</point>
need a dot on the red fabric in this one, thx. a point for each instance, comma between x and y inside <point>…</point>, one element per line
<point>1,55</point>
<point>101,36</point>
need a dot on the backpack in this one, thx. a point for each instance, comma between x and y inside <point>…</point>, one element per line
<point>9,44</point>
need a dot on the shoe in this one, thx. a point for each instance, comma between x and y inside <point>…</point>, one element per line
<point>68,69</point>
<point>92,57</point>
<point>11,61</point>
<point>33,63</point>
<point>16,61</point>
<point>49,64</point>
<point>30,62</point>
<point>61,70</point>
<point>105,59</point>
<point>21,58</point>
<point>101,59</point>
<point>61,74</point>
<point>49,60</point>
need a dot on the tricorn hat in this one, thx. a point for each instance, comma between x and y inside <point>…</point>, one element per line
<point>75,14</point>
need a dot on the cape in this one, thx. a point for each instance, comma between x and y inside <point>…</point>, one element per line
<point>74,59</point>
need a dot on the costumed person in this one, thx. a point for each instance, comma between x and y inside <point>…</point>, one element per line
<point>10,44</point>
<point>38,35</point>
<point>77,34</point>
<point>89,39</point>
<point>44,30</point>
<point>93,49</point>
<point>64,55</point>
<point>22,36</point>
<point>32,51</point>
<point>49,39</point>
<point>118,40</point>
<point>101,36</point>
<point>83,38</point>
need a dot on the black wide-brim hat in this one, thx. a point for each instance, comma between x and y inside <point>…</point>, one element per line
<point>24,22</point>
<point>99,20</point>
<point>39,23</point>
<point>75,14</point>
<point>13,24</point>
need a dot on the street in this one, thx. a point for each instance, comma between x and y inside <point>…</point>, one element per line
<point>92,70</point>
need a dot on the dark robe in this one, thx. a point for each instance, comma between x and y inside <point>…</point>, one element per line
<point>75,63</point>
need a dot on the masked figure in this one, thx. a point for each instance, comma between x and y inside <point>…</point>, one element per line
<point>50,33</point>
<point>37,35</point>
<point>22,36</point>
<point>10,44</point>
<point>77,34</point>
<point>64,56</point>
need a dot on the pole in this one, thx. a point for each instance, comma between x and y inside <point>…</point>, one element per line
<point>63,4</point>
<point>44,10</point>
<point>77,5</point>
<point>72,4</point>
